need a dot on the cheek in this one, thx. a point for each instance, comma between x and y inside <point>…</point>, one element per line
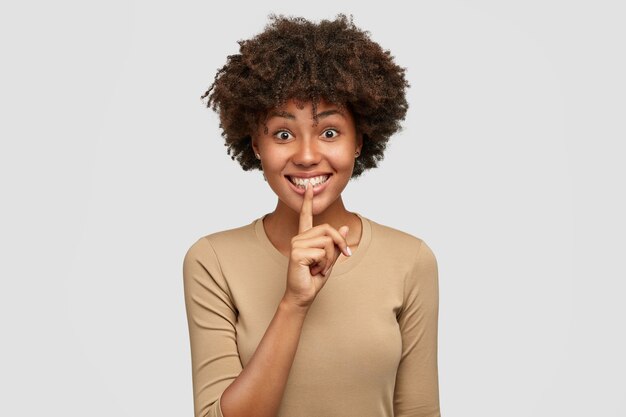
<point>274,159</point>
<point>342,159</point>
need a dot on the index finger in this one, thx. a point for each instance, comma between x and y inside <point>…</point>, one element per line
<point>306,212</point>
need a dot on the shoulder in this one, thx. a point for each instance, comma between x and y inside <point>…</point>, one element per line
<point>210,256</point>
<point>232,239</point>
<point>403,248</point>
<point>403,242</point>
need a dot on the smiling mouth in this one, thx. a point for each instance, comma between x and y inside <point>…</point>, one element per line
<point>301,182</point>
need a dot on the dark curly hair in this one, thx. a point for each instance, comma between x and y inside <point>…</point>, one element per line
<point>294,58</point>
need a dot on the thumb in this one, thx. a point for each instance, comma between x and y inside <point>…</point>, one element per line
<point>344,231</point>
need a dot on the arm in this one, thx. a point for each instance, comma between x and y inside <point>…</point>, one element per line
<point>417,386</point>
<point>211,317</point>
<point>221,388</point>
<point>259,388</point>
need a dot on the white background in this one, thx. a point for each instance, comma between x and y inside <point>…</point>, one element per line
<point>510,166</point>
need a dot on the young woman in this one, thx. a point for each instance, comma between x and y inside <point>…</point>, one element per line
<point>311,310</point>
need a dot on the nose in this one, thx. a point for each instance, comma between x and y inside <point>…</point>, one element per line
<point>306,151</point>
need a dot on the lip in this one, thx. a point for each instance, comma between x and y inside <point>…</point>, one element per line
<point>316,190</point>
<point>308,174</point>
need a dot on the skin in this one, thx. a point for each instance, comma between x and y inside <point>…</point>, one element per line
<point>293,145</point>
<point>314,247</point>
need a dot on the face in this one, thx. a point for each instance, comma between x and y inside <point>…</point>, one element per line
<point>295,148</point>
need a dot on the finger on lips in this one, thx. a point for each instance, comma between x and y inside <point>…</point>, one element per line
<point>337,240</point>
<point>306,212</point>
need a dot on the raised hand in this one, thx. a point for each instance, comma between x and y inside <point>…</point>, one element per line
<point>314,251</point>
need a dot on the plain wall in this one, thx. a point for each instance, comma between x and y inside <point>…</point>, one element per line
<point>510,166</point>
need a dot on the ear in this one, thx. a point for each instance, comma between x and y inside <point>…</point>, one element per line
<point>359,142</point>
<point>254,142</point>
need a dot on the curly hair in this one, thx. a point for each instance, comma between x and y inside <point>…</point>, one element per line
<point>294,58</point>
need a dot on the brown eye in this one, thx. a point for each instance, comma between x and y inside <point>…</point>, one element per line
<point>282,134</point>
<point>330,133</point>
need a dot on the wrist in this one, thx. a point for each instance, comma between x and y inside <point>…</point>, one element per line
<point>292,307</point>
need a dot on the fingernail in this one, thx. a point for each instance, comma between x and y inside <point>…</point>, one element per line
<point>349,251</point>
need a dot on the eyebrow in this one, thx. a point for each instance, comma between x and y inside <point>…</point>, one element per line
<point>290,116</point>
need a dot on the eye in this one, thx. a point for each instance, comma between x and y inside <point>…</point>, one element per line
<point>332,135</point>
<point>282,134</point>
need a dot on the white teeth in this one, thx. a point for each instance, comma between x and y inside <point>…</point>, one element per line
<point>301,182</point>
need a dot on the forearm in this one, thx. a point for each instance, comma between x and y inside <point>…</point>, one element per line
<point>258,390</point>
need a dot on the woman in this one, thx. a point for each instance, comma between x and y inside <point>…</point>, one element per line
<point>311,310</point>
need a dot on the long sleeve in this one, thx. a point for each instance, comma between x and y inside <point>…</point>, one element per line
<point>368,346</point>
<point>211,317</point>
<point>417,383</point>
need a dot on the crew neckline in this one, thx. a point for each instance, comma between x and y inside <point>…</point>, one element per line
<point>339,268</point>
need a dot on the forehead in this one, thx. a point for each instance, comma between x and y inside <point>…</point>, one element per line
<point>292,110</point>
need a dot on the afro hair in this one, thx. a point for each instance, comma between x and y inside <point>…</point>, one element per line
<point>294,58</point>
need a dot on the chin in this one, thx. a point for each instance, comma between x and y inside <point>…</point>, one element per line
<point>319,206</point>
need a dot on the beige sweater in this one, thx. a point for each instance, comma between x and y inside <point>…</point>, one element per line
<point>368,346</point>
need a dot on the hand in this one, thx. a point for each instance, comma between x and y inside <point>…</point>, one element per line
<point>314,251</point>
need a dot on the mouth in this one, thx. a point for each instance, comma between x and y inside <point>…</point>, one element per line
<point>319,183</point>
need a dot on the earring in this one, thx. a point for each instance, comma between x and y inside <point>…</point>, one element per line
<point>257,156</point>
<point>356,154</point>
